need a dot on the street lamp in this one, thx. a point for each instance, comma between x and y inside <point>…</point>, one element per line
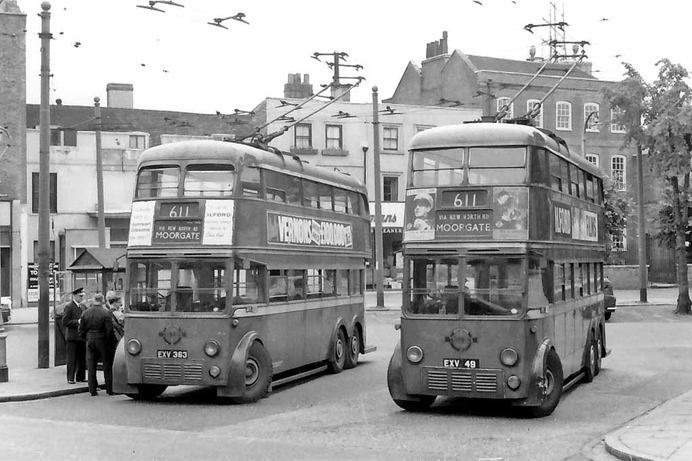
<point>583,133</point>
<point>365,164</point>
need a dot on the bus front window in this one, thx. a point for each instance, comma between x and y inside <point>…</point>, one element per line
<point>433,287</point>
<point>438,167</point>
<point>150,286</point>
<point>209,181</point>
<point>158,182</point>
<point>494,286</point>
<point>497,165</point>
<point>178,286</point>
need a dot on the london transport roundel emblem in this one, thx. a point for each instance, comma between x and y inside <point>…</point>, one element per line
<point>172,334</point>
<point>460,339</point>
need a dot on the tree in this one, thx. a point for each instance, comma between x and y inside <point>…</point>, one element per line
<point>658,117</point>
<point>618,207</point>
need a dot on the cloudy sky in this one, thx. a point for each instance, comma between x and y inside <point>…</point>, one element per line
<point>176,61</point>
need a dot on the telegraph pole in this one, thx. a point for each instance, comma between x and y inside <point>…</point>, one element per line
<point>99,174</point>
<point>379,259</point>
<point>44,194</point>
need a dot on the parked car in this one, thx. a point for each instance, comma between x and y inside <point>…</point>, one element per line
<point>610,299</point>
<point>6,308</point>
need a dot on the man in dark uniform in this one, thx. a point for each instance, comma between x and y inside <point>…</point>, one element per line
<point>96,328</point>
<point>76,349</point>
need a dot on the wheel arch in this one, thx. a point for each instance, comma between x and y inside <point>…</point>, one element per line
<point>235,384</point>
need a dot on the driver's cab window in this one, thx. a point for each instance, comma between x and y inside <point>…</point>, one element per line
<point>494,286</point>
<point>433,286</point>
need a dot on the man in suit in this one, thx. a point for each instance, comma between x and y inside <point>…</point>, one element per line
<point>96,328</point>
<point>76,349</point>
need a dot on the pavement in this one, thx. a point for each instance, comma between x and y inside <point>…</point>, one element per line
<point>661,434</point>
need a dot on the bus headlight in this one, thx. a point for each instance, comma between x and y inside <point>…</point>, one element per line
<point>414,354</point>
<point>513,382</point>
<point>211,348</point>
<point>134,347</point>
<point>509,357</point>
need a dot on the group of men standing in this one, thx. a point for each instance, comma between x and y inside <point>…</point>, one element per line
<point>92,335</point>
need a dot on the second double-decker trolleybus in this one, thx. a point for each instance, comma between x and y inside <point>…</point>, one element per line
<point>245,267</point>
<point>503,269</point>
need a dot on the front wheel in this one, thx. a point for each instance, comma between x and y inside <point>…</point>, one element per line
<point>148,391</point>
<point>337,360</point>
<point>258,374</point>
<point>353,352</point>
<point>551,383</point>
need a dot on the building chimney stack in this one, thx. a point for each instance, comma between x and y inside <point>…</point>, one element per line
<point>120,95</point>
<point>297,88</point>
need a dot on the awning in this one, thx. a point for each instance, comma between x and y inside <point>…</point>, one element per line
<point>99,259</point>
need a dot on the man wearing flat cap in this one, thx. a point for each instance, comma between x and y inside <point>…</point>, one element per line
<point>96,328</point>
<point>76,349</point>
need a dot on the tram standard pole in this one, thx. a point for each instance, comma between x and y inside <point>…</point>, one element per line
<point>379,282</point>
<point>44,195</point>
<point>643,270</point>
<point>99,174</point>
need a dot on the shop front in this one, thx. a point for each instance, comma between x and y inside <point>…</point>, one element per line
<point>392,235</point>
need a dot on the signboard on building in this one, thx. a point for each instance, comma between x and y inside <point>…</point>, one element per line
<point>33,294</point>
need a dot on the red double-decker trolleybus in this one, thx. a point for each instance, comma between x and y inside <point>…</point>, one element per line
<point>503,269</point>
<point>245,268</point>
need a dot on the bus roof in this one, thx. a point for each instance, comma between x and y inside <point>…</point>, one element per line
<point>210,150</point>
<point>496,134</point>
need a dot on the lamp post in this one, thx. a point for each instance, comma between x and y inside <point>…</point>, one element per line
<point>643,272</point>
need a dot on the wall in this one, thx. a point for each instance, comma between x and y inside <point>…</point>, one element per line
<point>623,277</point>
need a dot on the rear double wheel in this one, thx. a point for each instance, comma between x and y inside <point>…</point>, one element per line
<point>337,358</point>
<point>353,352</point>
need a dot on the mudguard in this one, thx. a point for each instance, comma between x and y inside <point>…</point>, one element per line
<point>395,379</point>
<point>535,395</point>
<point>235,384</point>
<point>120,385</point>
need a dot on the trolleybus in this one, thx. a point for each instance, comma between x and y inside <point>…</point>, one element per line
<point>245,268</point>
<point>503,269</point>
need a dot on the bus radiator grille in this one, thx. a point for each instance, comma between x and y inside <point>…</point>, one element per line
<point>463,381</point>
<point>153,371</point>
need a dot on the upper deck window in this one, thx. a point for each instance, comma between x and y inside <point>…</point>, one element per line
<point>209,181</point>
<point>158,182</point>
<point>497,165</point>
<point>438,167</point>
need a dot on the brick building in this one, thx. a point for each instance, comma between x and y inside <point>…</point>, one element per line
<point>12,145</point>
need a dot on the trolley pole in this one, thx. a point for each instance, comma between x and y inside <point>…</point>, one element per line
<point>379,283</point>
<point>44,195</point>
<point>99,174</point>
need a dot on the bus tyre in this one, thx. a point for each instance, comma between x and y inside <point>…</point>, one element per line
<point>148,391</point>
<point>353,352</point>
<point>553,380</point>
<point>337,360</point>
<point>421,403</point>
<point>599,352</point>
<point>591,355</point>
<point>258,374</point>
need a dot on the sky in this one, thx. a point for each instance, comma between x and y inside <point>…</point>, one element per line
<point>176,61</point>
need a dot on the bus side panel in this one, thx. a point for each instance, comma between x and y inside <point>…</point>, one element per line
<point>286,335</point>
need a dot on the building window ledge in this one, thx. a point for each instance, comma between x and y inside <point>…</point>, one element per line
<point>335,152</point>
<point>303,151</point>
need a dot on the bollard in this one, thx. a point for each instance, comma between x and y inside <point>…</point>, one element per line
<point>4,370</point>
